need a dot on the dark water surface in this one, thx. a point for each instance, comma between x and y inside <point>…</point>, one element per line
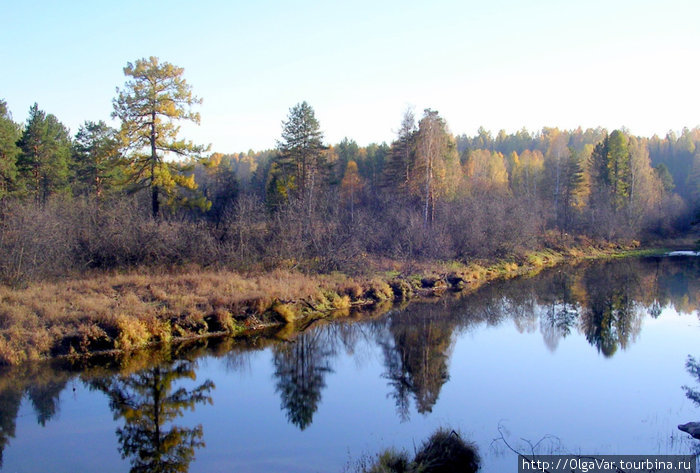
<point>590,359</point>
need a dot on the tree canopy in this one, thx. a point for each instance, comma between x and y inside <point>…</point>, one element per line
<point>300,166</point>
<point>44,160</point>
<point>10,132</point>
<point>152,101</point>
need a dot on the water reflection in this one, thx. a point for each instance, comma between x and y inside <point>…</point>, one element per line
<point>41,384</point>
<point>562,308</point>
<point>149,403</point>
<point>300,370</point>
<point>603,302</point>
<point>610,318</point>
<point>416,348</point>
<point>693,428</point>
<point>10,400</point>
<point>693,367</point>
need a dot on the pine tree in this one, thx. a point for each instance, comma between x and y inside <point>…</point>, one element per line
<point>9,151</point>
<point>611,171</point>
<point>301,165</point>
<point>571,188</point>
<point>397,171</point>
<point>149,106</point>
<point>619,168</point>
<point>693,183</point>
<point>96,159</point>
<point>43,163</point>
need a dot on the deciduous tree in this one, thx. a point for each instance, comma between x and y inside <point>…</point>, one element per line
<point>351,186</point>
<point>437,165</point>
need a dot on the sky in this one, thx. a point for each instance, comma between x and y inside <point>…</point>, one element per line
<point>498,64</point>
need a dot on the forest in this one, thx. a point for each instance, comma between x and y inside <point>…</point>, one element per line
<point>141,195</point>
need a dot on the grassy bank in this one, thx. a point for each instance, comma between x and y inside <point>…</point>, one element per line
<point>133,310</point>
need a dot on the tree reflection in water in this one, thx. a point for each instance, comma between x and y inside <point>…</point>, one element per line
<point>149,403</point>
<point>605,302</point>
<point>561,309</point>
<point>416,348</point>
<point>300,370</point>
<point>611,318</point>
<point>693,367</point>
<point>10,400</point>
<point>41,384</point>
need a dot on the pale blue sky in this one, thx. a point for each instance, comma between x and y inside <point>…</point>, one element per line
<point>500,64</point>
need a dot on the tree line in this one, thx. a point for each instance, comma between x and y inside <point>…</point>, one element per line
<point>110,197</point>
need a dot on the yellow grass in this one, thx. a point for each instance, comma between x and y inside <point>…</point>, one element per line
<point>132,310</point>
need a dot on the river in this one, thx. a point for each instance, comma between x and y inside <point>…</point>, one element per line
<point>586,359</point>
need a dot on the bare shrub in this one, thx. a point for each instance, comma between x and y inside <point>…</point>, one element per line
<point>35,242</point>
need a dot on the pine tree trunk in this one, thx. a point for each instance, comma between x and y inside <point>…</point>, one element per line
<point>155,206</point>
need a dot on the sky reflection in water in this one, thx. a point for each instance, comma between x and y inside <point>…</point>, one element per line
<point>592,358</point>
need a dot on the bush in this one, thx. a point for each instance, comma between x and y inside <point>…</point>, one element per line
<point>446,452</point>
<point>443,452</point>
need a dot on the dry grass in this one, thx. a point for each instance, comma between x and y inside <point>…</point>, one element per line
<point>128,311</point>
<point>132,310</point>
<point>444,452</point>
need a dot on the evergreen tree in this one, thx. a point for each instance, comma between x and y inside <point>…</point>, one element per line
<point>599,166</point>
<point>665,177</point>
<point>397,171</point>
<point>149,106</point>
<point>571,187</point>
<point>618,166</point>
<point>219,185</point>
<point>96,158</point>
<point>693,182</point>
<point>9,151</point>
<point>43,163</point>
<point>301,165</point>
<point>347,150</point>
<point>372,168</point>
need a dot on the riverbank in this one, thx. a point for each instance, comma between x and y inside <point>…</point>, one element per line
<point>122,312</point>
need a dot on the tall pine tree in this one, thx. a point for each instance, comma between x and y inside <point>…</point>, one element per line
<point>96,159</point>
<point>44,161</point>
<point>9,134</point>
<point>300,168</point>
<point>149,106</point>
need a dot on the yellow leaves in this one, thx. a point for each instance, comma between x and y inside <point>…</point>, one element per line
<point>486,169</point>
<point>285,187</point>
<point>186,182</point>
<point>526,174</point>
<point>214,161</point>
<point>163,178</point>
<point>351,184</point>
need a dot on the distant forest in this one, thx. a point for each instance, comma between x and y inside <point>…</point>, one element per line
<point>115,198</point>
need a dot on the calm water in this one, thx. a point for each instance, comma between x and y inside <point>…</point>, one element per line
<point>582,360</point>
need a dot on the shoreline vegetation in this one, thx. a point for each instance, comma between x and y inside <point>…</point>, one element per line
<point>116,239</point>
<point>122,312</point>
